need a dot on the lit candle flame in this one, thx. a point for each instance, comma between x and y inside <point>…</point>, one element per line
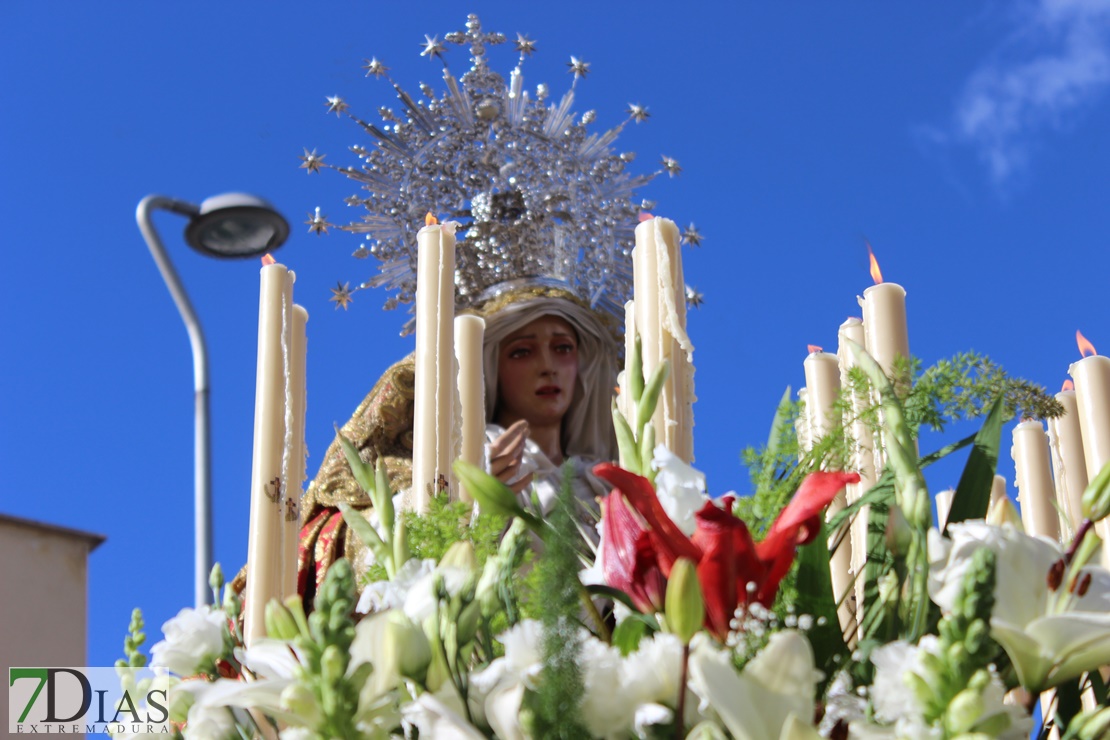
<point>645,216</point>
<point>876,275</point>
<point>430,219</point>
<point>813,348</point>
<point>1086,349</point>
<point>268,260</point>
<point>1068,385</point>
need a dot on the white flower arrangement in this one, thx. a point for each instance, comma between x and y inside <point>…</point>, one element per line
<point>958,635</point>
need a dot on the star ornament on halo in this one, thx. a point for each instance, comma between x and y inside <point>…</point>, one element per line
<point>312,161</point>
<point>524,45</point>
<point>691,236</point>
<point>578,67</point>
<point>433,47</point>
<point>670,164</point>
<point>638,113</point>
<point>317,223</point>
<point>336,105</point>
<point>341,296</point>
<point>374,67</point>
<point>694,299</point>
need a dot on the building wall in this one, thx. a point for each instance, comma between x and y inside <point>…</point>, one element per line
<point>43,596</point>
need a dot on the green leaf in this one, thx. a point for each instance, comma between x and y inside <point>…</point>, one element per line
<point>1068,702</point>
<point>608,592</point>
<point>973,494</point>
<point>635,377</point>
<point>815,596</point>
<point>782,410</point>
<point>646,408</point>
<point>628,634</point>
<point>363,472</point>
<point>365,531</point>
<point>626,442</point>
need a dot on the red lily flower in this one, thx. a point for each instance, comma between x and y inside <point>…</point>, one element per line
<point>640,550</point>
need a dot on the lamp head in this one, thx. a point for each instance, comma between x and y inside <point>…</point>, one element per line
<point>236,225</point>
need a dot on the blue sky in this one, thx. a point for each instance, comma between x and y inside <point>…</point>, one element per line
<point>965,140</point>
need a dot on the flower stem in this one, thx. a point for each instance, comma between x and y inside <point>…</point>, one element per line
<point>602,628</point>
<point>680,705</point>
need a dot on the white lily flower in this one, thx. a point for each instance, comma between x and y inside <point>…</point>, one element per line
<point>758,703</point>
<point>193,638</point>
<point>681,488</point>
<point>1051,635</point>
<point>435,719</point>
<point>391,594</point>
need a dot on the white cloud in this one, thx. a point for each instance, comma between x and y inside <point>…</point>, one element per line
<point>1055,63</point>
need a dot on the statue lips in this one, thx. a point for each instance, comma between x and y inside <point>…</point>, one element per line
<point>549,391</point>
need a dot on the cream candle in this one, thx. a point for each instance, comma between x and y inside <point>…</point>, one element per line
<point>862,436</point>
<point>469,332</point>
<point>1069,468</point>
<point>625,402</point>
<point>863,445</point>
<point>294,463</point>
<point>801,424</point>
<point>660,309</point>
<point>1036,493</point>
<point>884,319</point>
<point>448,413</point>
<point>434,361</point>
<point>264,542</point>
<point>1092,396</point>
<point>822,373</point>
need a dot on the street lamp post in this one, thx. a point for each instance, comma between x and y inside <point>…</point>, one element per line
<point>230,225</point>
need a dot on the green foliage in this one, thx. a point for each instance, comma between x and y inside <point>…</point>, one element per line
<point>966,386</point>
<point>815,597</point>
<point>554,705</point>
<point>133,656</point>
<point>953,677</point>
<point>326,650</point>
<point>445,523</point>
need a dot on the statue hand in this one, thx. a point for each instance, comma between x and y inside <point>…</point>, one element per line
<point>506,453</point>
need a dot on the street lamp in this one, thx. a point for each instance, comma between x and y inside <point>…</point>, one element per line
<point>227,226</point>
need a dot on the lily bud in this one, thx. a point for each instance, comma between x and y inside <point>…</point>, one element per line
<point>492,495</point>
<point>400,545</point>
<point>460,555</point>
<point>1096,499</point>
<point>646,408</point>
<point>406,646</point>
<point>486,591</point>
<point>280,623</point>
<point>685,608</point>
<point>216,578</point>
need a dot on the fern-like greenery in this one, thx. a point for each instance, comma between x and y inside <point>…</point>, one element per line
<point>556,701</point>
<point>962,387</point>
<point>445,523</point>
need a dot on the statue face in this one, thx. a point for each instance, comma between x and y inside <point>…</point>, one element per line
<point>537,366</point>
